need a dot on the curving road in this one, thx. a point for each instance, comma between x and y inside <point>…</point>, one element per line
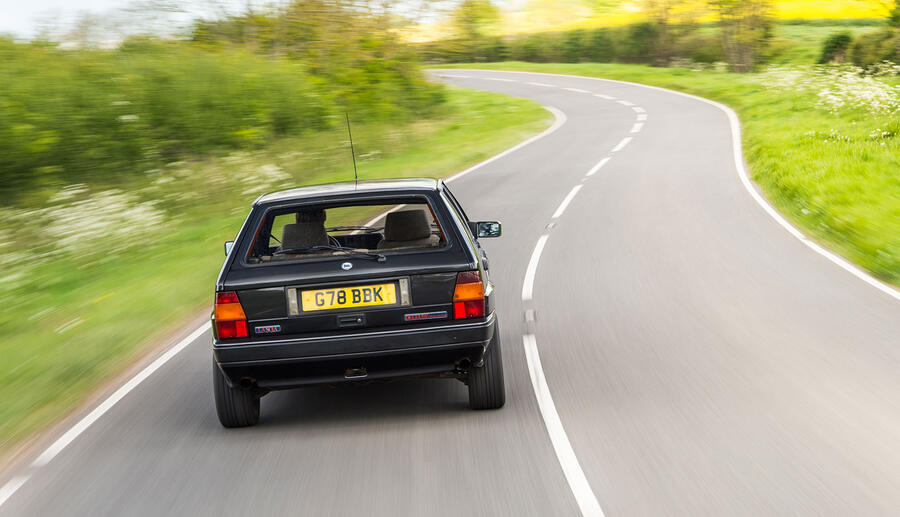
<point>669,349</point>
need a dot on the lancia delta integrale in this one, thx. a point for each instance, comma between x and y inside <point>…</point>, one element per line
<point>354,282</point>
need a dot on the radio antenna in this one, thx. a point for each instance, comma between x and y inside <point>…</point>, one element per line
<point>352,152</point>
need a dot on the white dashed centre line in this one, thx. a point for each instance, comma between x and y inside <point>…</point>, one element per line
<point>501,79</point>
<point>576,90</point>
<point>638,109</point>
<point>637,127</point>
<point>565,454</point>
<point>642,117</point>
<point>528,285</point>
<point>622,144</point>
<point>565,202</point>
<point>625,103</point>
<point>545,85</point>
<point>607,97</point>
<point>597,167</point>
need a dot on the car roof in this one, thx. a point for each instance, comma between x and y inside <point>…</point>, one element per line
<point>396,186</point>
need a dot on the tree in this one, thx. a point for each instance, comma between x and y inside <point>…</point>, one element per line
<point>475,19</point>
<point>746,29</point>
<point>672,18</point>
<point>891,9</point>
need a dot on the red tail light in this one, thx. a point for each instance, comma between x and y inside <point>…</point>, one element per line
<point>468,297</point>
<point>229,316</point>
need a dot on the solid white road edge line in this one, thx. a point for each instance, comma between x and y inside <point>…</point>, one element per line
<point>622,144</point>
<point>737,148</point>
<point>69,436</point>
<point>565,202</point>
<point>119,394</point>
<point>597,167</point>
<point>11,486</point>
<point>16,482</point>
<point>565,454</point>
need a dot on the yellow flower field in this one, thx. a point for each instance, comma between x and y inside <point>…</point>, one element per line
<point>559,15</point>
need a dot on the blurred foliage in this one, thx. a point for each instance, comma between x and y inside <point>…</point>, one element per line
<point>92,115</point>
<point>638,43</point>
<point>797,41</point>
<point>894,16</point>
<point>742,33</point>
<point>877,46</point>
<point>475,19</point>
<point>835,48</point>
<point>746,30</point>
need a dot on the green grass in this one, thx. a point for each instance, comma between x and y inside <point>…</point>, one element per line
<point>835,175</point>
<point>75,314</point>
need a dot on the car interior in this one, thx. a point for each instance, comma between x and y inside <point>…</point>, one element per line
<point>307,232</point>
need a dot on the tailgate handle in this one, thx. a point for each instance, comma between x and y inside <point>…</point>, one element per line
<point>351,320</point>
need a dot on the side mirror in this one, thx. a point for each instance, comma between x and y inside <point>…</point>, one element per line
<point>228,246</point>
<point>487,229</point>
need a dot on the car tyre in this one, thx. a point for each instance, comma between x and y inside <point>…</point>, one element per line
<point>486,387</point>
<point>235,407</point>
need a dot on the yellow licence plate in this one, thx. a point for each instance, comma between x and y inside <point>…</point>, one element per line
<point>347,297</point>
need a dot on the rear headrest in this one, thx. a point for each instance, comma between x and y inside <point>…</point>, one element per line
<point>406,225</point>
<point>303,235</point>
<point>316,215</point>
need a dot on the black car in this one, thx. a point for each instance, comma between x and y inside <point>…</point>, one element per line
<point>354,282</point>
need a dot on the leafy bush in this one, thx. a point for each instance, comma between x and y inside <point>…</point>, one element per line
<point>700,48</point>
<point>600,46</point>
<point>640,43</point>
<point>835,47</point>
<point>573,47</point>
<point>874,47</point>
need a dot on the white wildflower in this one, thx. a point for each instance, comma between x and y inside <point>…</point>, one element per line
<point>68,192</point>
<point>263,178</point>
<point>838,88</point>
<point>106,222</point>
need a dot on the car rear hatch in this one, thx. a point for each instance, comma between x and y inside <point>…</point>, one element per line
<point>408,276</point>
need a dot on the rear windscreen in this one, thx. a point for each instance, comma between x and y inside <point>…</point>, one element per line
<point>307,232</point>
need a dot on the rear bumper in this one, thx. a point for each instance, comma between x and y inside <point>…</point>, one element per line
<point>288,363</point>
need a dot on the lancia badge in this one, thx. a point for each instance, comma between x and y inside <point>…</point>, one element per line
<point>346,266</point>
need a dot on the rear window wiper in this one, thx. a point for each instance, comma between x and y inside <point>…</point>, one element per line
<point>351,251</point>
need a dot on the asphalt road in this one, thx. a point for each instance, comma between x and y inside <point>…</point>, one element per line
<point>702,360</point>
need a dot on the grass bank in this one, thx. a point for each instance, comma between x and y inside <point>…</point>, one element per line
<point>824,146</point>
<point>95,275</point>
